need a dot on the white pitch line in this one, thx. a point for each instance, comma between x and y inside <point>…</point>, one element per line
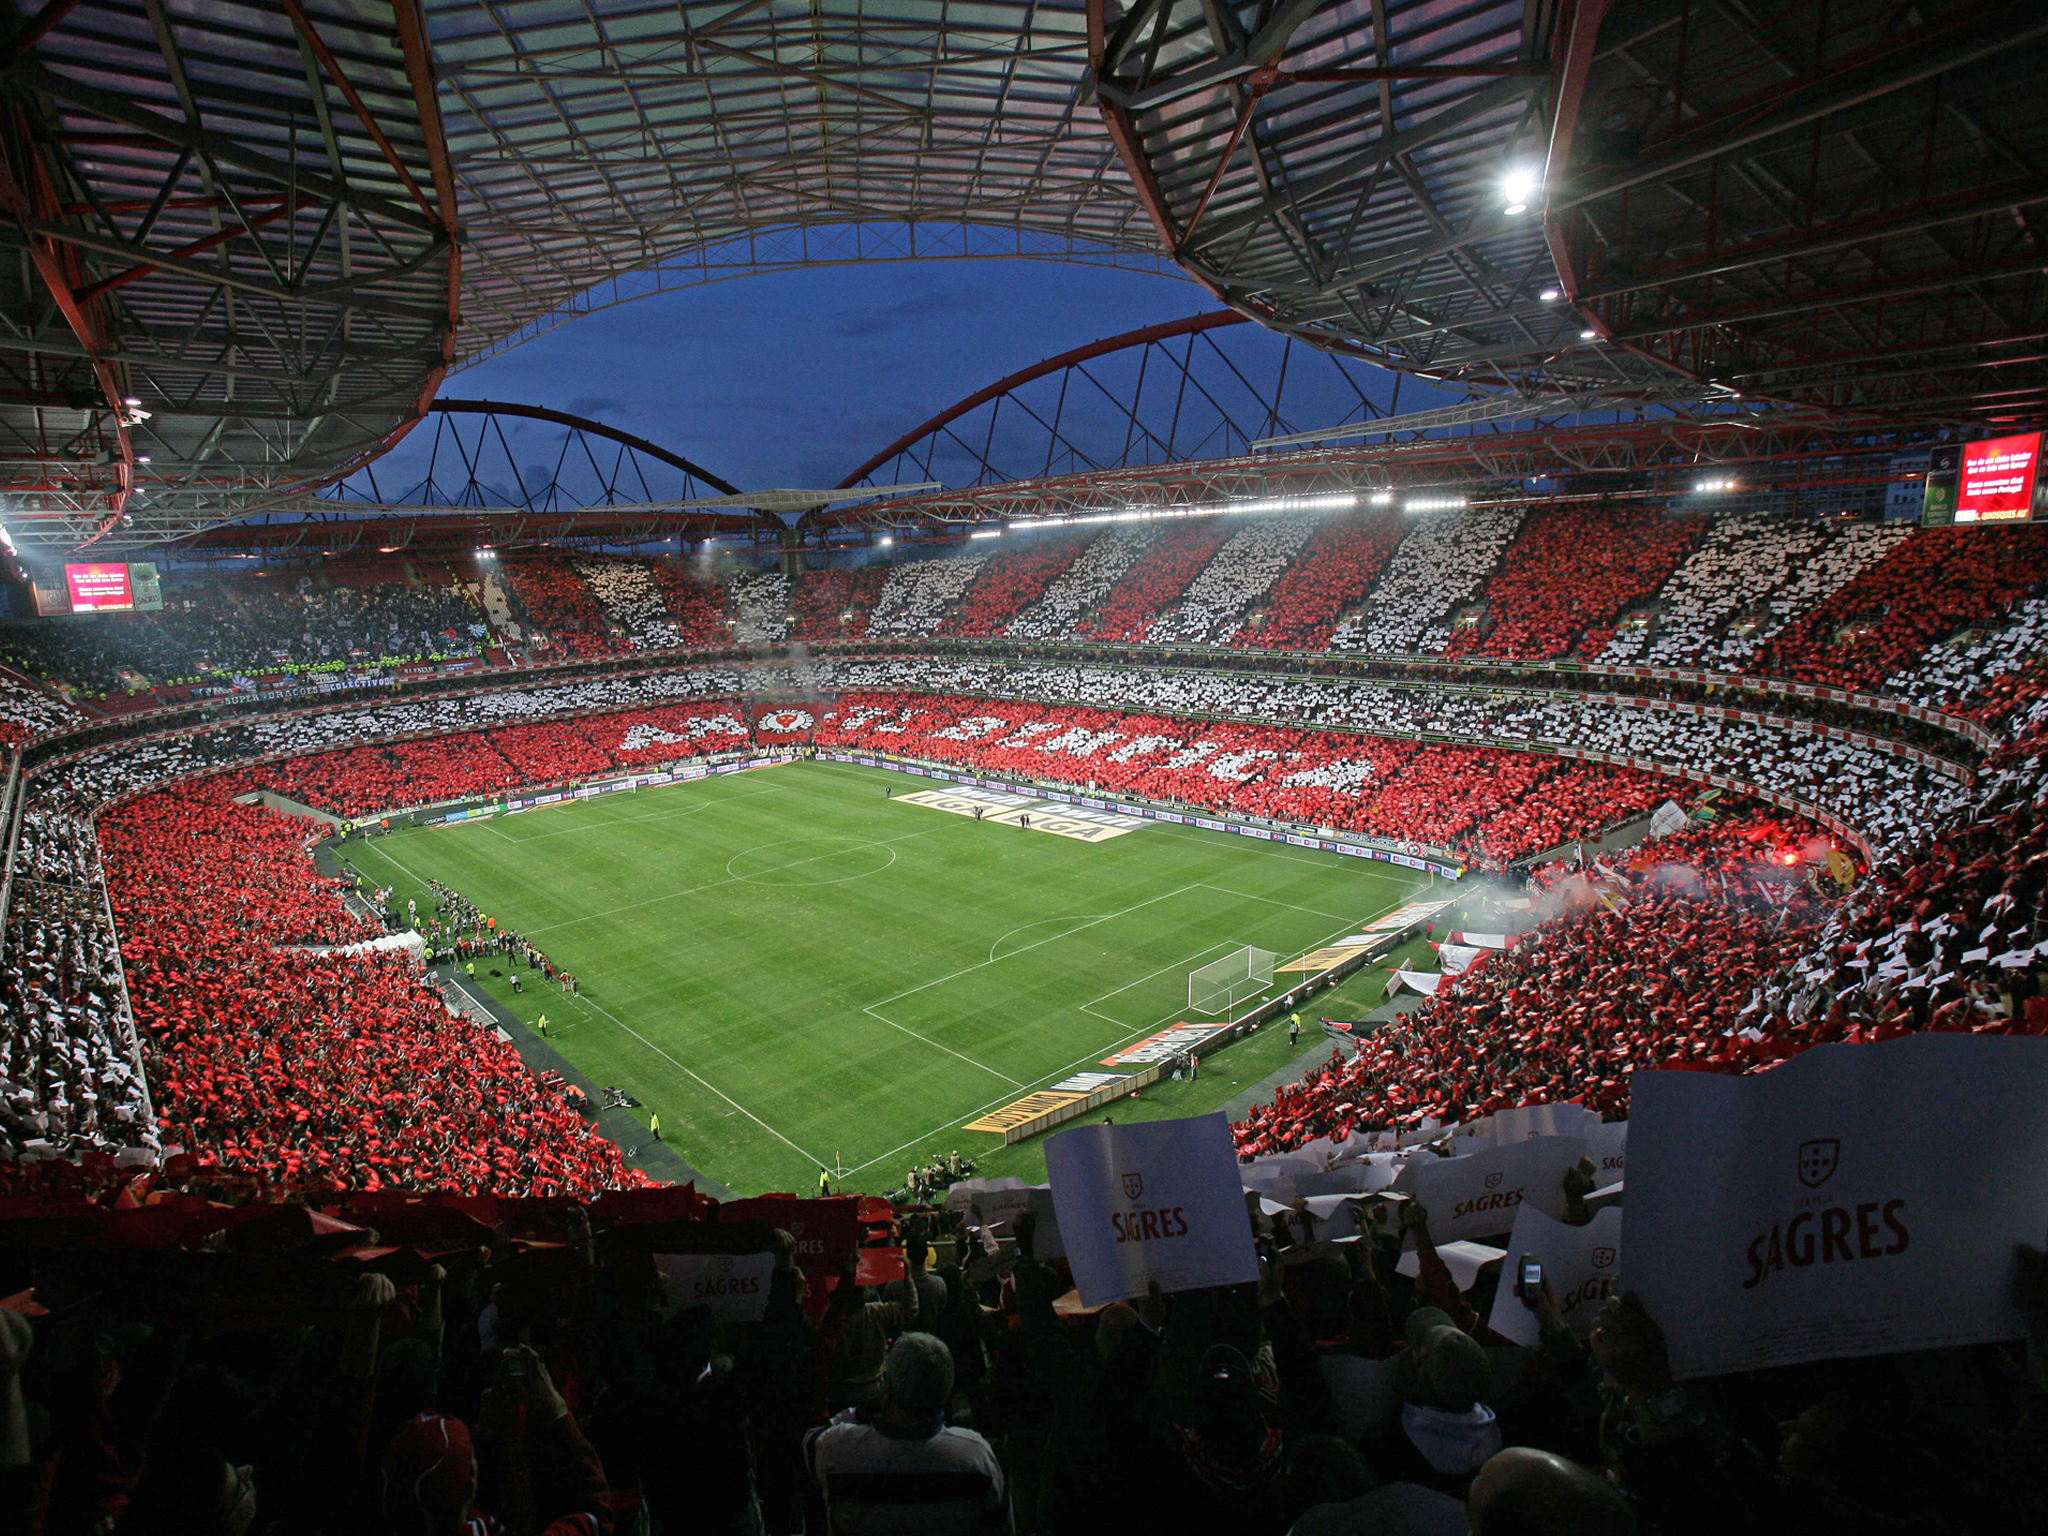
<point>816,1162</point>
<point>1224,890</point>
<point>1026,949</point>
<point>927,1039</point>
<point>690,809</point>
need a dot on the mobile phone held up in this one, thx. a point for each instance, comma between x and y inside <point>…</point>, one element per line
<point>1528,1276</point>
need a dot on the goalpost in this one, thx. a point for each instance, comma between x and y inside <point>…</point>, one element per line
<point>1222,984</point>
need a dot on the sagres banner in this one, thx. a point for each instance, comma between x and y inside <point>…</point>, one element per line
<point>1799,1215</point>
<point>1159,1200</point>
<point>733,1285</point>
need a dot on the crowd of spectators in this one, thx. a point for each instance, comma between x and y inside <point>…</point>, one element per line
<point>1011,582</point>
<point>527,1368</point>
<point>1725,949</point>
<point>552,598</point>
<point>760,607</point>
<point>1891,798</point>
<point>1749,576</point>
<point>1171,563</point>
<point>1484,803</point>
<point>1573,570</point>
<point>1079,590</point>
<point>1340,565</point>
<point>919,594</point>
<point>1441,564</point>
<point>1931,585</point>
<point>696,607</point>
<point>632,601</point>
<point>1990,673</point>
<point>332,1069</point>
<point>1212,609</point>
<point>70,1076</point>
<point>835,605</point>
<point>211,630</point>
<point>358,781</point>
<point>27,712</point>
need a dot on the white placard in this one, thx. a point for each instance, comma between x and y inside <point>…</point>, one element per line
<point>1607,1149</point>
<point>1479,1194</point>
<point>1582,1264</point>
<point>1528,1122</point>
<point>733,1285</point>
<point>1794,1215</point>
<point>1153,1200</point>
<point>1463,1260</point>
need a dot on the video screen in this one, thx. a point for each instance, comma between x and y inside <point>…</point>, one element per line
<point>1998,479</point>
<point>99,588</point>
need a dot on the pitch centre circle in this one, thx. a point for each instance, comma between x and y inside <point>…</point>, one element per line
<point>810,861</point>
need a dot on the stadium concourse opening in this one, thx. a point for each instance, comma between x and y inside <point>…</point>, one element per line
<point>1395,880</point>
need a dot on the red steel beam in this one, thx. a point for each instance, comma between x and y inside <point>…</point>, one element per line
<point>60,268</point>
<point>19,45</point>
<point>1187,326</point>
<point>585,424</point>
<point>195,247</point>
<point>332,65</point>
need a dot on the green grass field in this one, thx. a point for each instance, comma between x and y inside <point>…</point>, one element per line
<point>789,967</point>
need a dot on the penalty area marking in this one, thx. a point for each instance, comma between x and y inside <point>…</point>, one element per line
<point>874,1009</point>
<point>1059,1072</point>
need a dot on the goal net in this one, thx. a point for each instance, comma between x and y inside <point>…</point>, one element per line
<point>1222,984</point>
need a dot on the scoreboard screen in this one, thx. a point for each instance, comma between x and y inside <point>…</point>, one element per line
<point>1998,477</point>
<point>1995,481</point>
<point>99,588</point>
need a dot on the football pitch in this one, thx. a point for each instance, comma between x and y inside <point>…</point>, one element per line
<point>797,966</point>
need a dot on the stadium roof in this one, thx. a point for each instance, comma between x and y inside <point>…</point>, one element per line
<point>275,224</point>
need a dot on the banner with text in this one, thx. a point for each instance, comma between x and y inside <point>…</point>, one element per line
<point>733,1285</point>
<point>1790,1216</point>
<point>1582,1264</point>
<point>1479,1195</point>
<point>1157,1200</point>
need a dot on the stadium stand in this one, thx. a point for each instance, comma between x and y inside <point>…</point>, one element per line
<point>1441,564</point>
<point>920,593</point>
<point>334,1070</point>
<point>759,607</point>
<point>836,605</point>
<point>1927,588</point>
<point>1243,570</point>
<point>1571,572</point>
<point>1009,583</point>
<point>632,601</point>
<point>553,599</point>
<point>1465,800</point>
<point>1341,562</point>
<point>284,1065</point>
<point>696,608</point>
<point>1084,584</point>
<point>214,629</point>
<point>1751,574</point>
<point>1171,562</point>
